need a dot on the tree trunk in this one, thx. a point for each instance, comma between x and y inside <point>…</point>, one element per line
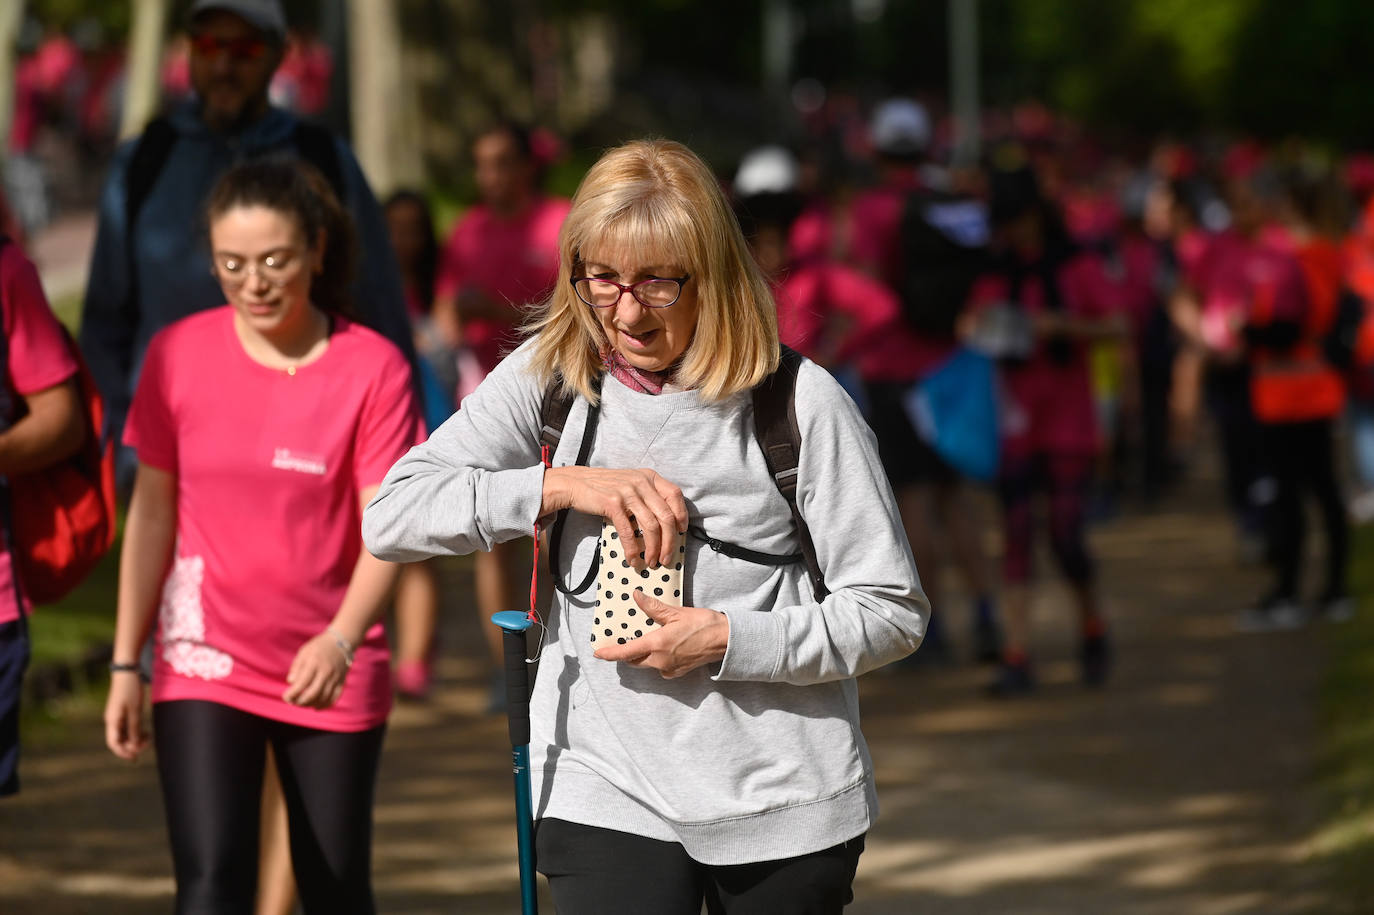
<point>143,91</point>
<point>11,15</point>
<point>385,131</point>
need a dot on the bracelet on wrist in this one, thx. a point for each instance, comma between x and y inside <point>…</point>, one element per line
<point>135,668</point>
<point>345,646</point>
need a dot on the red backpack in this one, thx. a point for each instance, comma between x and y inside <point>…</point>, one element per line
<point>63,516</point>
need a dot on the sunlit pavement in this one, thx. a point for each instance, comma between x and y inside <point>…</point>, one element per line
<point>1182,787</point>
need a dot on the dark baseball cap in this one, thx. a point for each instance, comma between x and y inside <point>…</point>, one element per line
<point>264,15</point>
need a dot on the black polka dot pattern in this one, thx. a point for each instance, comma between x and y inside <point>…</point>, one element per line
<point>615,605</point>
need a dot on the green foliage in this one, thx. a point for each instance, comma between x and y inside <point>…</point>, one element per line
<point>1344,843</point>
<point>63,14</point>
<point>1269,67</point>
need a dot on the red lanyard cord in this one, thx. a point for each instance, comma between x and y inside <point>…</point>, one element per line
<point>533,614</point>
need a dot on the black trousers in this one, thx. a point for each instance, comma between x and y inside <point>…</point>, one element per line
<point>210,760</point>
<point>1303,459</point>
<point>592,871</point>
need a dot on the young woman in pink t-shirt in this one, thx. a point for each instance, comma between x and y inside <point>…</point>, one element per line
<point>262,428</point>
<point>1040,307</point>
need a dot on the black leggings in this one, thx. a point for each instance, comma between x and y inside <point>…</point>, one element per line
<point>593,870</point>
<point>1303,459</point>
<point>210,761</point>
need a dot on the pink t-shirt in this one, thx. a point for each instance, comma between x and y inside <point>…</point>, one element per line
<point>509,260</point>
<point>1048,403</point>
<point>269,469</point>
<point>877,216</point>
<point>1234,276</point>
<point>821,300</point>
<point>36,358</point>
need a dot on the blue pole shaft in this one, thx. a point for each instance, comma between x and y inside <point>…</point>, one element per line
<point>514,626</point>
<point>524,830</point>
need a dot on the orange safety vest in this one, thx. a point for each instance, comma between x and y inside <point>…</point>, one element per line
<point>1298,384</point>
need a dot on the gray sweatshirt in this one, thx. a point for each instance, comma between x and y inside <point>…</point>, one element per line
<point>758,757</point>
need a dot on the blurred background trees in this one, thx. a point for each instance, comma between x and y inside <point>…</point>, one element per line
<point>724,73</point>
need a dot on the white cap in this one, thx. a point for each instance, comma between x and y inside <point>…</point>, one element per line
<point>900,127</point>
<point>766,170</point>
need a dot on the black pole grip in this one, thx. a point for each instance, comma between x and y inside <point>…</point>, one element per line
<point>517,688</point>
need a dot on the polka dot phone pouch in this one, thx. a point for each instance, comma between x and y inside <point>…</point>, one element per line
<point>616,618</point>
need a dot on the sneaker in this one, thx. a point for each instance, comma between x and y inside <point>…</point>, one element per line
<point>1012,680</point>
<point>1095,659</point>
<point>987,641</point>
<point>413,680</point>
<point>1338,609</point>
<point>1272,614</point>
<point>1361,507</point>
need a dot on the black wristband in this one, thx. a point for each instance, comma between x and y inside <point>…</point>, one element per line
<point>117,668</point>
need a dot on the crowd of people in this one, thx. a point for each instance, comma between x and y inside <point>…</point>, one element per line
<point>1047,321</point>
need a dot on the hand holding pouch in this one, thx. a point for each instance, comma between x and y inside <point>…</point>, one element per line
<point>616,618</point>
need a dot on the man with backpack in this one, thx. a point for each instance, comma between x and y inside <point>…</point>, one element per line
<point>40,425</point>
<point>151,266</point>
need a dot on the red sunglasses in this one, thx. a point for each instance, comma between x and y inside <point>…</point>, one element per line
<point>244,48</point>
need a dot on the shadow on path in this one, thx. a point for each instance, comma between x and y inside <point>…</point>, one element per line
<point>1182,787</point>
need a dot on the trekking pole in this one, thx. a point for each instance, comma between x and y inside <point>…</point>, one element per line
<point>513,626</point>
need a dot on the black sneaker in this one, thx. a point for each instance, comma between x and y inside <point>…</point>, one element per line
<point>1012,680</point>
<point>1095,659</point>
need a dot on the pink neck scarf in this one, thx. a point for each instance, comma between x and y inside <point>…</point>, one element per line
<point>641,380</point>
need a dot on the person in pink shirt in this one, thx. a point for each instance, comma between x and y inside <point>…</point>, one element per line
<point>1210,309</point>
<point>842,318</point>
<point>40,424</point>
<point>261,429</point>
<point>501,258</point>
<point>1046,303</point>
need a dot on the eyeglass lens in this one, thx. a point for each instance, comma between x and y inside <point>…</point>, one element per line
<point>243,48</point>
<point>653,293</point>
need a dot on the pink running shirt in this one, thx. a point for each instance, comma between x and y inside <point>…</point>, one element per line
<point>509,260</point>
<point>269,468</point>
<point>36,358</point>
<point>1048,404</point>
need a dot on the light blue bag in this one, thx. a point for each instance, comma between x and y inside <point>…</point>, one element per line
<point>955,410</point>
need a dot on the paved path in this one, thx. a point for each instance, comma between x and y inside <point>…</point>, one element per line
<point>1184,787</point>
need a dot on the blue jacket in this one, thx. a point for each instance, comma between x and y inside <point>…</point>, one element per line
<point>171,251</point>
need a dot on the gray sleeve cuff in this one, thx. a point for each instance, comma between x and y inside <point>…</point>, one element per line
<point>756,646</point>
<point>510,502</point>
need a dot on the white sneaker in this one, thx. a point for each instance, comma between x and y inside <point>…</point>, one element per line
<point>1338,610</point>
<point>1272,616</point>
<point>1361,507</point>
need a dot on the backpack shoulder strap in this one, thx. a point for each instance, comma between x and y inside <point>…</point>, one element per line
<point>775,427</point>
<point>317,146</point>
<point>553,414</point>
<point>553,417</point>
<point>145,164</point>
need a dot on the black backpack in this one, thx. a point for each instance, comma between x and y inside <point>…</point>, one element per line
<point>943,240</point>
<point>1341,340</point>
<point>775,427</point>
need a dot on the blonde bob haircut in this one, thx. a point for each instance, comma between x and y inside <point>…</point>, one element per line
<point>656,202</point>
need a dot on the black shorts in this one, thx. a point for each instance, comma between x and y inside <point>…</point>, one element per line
<point>14,658</point>
<point>907,458</point>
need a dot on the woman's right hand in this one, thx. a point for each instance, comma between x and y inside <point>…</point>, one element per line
<point>126,732</point>
<point>642,505</point>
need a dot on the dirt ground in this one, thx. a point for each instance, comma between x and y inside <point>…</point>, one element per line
<point>1185,786</point>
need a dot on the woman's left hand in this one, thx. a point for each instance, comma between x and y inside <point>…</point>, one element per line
<point>686,638</point>
<point>316,678</point>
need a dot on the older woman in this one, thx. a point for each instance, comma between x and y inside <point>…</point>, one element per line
<point>718,756</point>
